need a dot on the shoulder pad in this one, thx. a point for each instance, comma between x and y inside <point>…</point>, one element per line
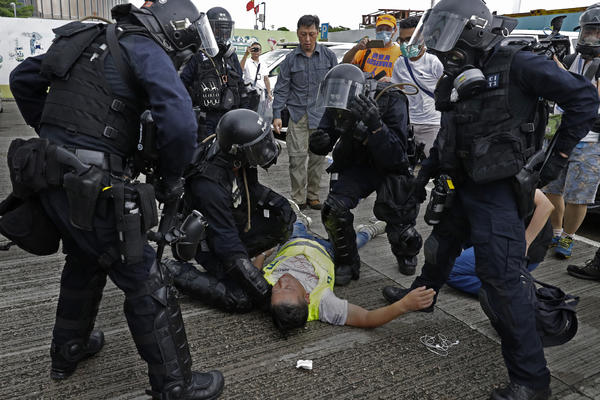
<point>75,27</point>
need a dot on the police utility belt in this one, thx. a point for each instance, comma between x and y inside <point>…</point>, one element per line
<point>86,176</point>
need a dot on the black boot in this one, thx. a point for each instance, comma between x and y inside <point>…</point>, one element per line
<point>74,337</point>
<point>155,321</point>
<point>344,273</point>
<point>406,243</point>
<point>202,286</point>
<point>66,357</point>
<point>519,392</point>
<point>407,265</point>
<point>393,293</point>
<point>591,269</point>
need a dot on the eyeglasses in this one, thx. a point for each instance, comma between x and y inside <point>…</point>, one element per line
<point>254,49</point>
<point>403,40</point>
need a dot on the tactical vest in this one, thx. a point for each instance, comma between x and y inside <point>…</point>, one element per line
<point>320,260</point>
<point>80,98</point>
<point>218,170</point>
<point>495,128</point>
<point>215,87</point>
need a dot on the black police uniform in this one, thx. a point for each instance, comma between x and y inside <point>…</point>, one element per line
<point>482,143</point>
<point>94,112</point>
<point>208,79</point>
<point>362,163</point>
<point>217,190</point>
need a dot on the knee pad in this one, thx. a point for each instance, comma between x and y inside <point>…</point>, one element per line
<point>335,213</point>
<point>405,242</point>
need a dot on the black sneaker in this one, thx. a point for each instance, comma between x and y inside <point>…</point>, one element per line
<point>519,392</point>
<point>66,357</point>
<point>393,293</point>
<point>591,270</point>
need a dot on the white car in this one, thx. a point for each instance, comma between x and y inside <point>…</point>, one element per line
<point>273,59</point>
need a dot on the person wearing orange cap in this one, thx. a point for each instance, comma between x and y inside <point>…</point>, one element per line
<point>374,60</point>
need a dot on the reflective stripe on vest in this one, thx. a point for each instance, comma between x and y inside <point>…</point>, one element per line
<point>319,259</point>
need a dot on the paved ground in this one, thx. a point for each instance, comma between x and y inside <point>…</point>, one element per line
<point>384,363</point>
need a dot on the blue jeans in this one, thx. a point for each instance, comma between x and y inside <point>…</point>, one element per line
<point>463,277</point>
<point>301,232</point>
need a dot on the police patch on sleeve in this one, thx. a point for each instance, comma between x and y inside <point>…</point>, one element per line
<point>493,81</point>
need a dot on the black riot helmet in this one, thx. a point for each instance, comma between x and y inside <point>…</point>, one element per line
<point>177,26</point>
<point>340,86</point>
<point>588,42</point>
<point>221,24</point>
<point>460,31</point>
<point>247,137</point>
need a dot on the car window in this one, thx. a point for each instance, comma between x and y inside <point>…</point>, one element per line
<point>271,57</point>
<point>274,71</point>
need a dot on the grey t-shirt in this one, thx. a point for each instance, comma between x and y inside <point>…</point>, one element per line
<point>332,309</point>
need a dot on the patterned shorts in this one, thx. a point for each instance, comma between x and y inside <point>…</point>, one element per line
<point>578,182</point>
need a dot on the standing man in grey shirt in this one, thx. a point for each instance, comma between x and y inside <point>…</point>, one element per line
<point>297,85</point>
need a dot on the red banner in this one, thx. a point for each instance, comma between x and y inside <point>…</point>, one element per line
<point>256,9</point>
<point>250,5</point>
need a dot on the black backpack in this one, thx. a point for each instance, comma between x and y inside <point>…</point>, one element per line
<point>555,314</point>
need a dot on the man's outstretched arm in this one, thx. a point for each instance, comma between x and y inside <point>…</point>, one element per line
<point>416,299</point>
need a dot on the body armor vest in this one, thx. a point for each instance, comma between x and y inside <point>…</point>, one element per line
<point>215,87</point>
<point>80,98</point>
<point>495,129</point>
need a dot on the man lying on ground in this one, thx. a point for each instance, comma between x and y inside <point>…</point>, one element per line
<point>303,275</point>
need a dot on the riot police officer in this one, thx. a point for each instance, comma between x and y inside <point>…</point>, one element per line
<point>216,83</point>
<point>100,78</point>
<point>488,98</point>
<point>370,155</point>
<point>244,218</point>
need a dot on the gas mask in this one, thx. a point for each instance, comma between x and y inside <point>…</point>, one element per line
<point>460,63</point>
<point>385,36</point>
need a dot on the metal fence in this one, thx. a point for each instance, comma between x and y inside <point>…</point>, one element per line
<point>73,9</point>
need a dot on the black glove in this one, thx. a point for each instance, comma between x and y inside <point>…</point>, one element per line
<point>419,192</point>
<point>442,93</point>
<point>365,109</point>
<point>250,279</point>
<point>168,189</point>
<point>319,142</point>
<point>556,163</point>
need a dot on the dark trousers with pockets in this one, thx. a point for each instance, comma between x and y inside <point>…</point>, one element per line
<point>486,214</point>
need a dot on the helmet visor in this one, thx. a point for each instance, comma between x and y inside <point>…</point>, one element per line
<point>223,30</point>
<point>263,149</point>
<point>589,35</point>
<point>338,93</point>
<point>439,30</point>
<point>208,43</point>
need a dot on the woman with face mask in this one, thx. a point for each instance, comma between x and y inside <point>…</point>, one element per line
<point>377,61</point>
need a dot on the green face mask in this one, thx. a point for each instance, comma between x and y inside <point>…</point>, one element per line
<point>411,51</point>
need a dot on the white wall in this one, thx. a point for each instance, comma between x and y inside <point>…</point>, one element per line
<point>21,38</point>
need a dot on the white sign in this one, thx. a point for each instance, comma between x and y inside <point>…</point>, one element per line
<point>22,38</point>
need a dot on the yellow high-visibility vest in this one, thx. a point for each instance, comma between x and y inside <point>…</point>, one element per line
<point>321,262</point>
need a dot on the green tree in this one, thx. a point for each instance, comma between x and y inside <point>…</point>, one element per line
<point>338,28</point>
<point>6,10</point>
<point>282,28</point>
